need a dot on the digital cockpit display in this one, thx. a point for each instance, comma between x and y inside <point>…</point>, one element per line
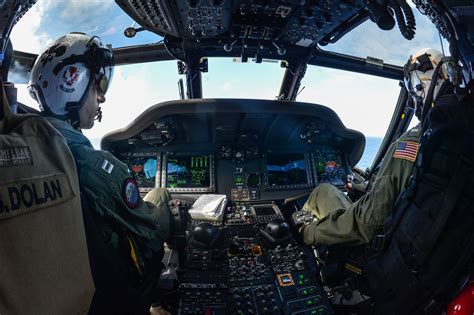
<point>143,169</point>
<point>329,167</point>
<point>286,170</point>
<point>188,171</point>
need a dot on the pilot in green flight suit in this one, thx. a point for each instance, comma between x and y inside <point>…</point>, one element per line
<point>69,81</point>
<point>339,221</point>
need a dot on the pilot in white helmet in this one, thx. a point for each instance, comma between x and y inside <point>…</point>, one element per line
<point>69,80</point>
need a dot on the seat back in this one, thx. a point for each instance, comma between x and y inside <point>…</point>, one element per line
<point>44,263</point>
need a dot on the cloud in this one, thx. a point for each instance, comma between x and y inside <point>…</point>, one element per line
<point>110,31</point>
<point>26,35</point>
<point>79,11</point>
<point>363,102</point>
<point>226,87</point>
<point>48,20</point>
<point>134,89</point>
<point>131,92</point>
<point>18,73</point>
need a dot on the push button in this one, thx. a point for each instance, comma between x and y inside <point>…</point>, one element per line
<point>295,306</point>
<point>309,303</point>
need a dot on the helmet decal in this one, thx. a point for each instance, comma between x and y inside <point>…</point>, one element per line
<point>56,50</point>
<point>70,77</point>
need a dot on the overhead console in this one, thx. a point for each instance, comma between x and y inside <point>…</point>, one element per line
<point>246,149</point>
<point>303,23</point>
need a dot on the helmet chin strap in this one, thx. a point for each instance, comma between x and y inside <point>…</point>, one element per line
<point>98,115</point>
<point>73,117</point>
<point>430,95</point>
<point>73,108</point>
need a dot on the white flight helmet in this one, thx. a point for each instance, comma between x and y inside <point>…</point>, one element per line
<point>64,73</point>
<point>420,72</point>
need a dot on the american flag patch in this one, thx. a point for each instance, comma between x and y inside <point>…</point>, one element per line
<point>406,150</point>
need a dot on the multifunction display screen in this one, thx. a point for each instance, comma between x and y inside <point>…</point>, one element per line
<point>329,167</point>
<point>286,170</point>
<point>188,171</point>
<point>143,169</point>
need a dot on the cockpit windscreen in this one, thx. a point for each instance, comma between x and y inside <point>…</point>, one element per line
<point>188,171</point>
<point>287,170</point>
<point>143,169</point>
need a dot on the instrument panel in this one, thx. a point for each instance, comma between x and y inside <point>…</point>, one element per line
<point>245,149</point>
<point>242,175</point>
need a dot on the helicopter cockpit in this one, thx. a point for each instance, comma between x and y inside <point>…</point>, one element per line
<point>239,170</point>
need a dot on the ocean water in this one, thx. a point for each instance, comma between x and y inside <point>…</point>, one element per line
<point>371,147</point>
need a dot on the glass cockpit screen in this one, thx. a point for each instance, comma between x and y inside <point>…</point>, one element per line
<point>329,167</point>
<point>286,170</point>
<point>143,169</point>
<point>188,171</point>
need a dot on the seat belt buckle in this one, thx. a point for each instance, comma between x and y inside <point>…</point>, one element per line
<point>378,243</point>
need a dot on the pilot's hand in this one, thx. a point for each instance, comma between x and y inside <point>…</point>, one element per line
<point>299,231</point>
<point>348,185</point>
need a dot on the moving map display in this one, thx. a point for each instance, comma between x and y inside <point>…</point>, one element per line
<point>286,170</point>
<point>188,171</point>
<point>143,169</point>
<point>329,167</point>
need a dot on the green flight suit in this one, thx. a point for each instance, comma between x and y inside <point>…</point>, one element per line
<point>129,223</point>
<point>340,220</point>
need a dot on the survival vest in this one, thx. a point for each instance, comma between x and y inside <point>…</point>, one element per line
<point>44,263</point>
<point>426,250</point>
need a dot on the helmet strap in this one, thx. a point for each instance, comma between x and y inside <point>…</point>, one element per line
<point>430,95</point>
<point>73,108</point>
<point>73,117</point>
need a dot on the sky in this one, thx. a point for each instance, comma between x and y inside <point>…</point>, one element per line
<point>363,102</point>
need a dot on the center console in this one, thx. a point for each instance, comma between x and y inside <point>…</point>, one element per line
<point>247,263</point>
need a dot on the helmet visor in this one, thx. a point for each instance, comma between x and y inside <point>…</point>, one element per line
<point>103,79</point>
<point>101,61</point>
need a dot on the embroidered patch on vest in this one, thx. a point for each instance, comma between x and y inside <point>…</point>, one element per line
<point>130,193</point>
<point>107,166</point>
<point>15,156</point>
<point>25,195</point>
<point>406,150</point>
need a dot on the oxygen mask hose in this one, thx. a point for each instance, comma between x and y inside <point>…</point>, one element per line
<point>405,18</point>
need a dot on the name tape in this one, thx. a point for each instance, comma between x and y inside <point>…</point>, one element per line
<point>15,156</point>
<point>33,194</point>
